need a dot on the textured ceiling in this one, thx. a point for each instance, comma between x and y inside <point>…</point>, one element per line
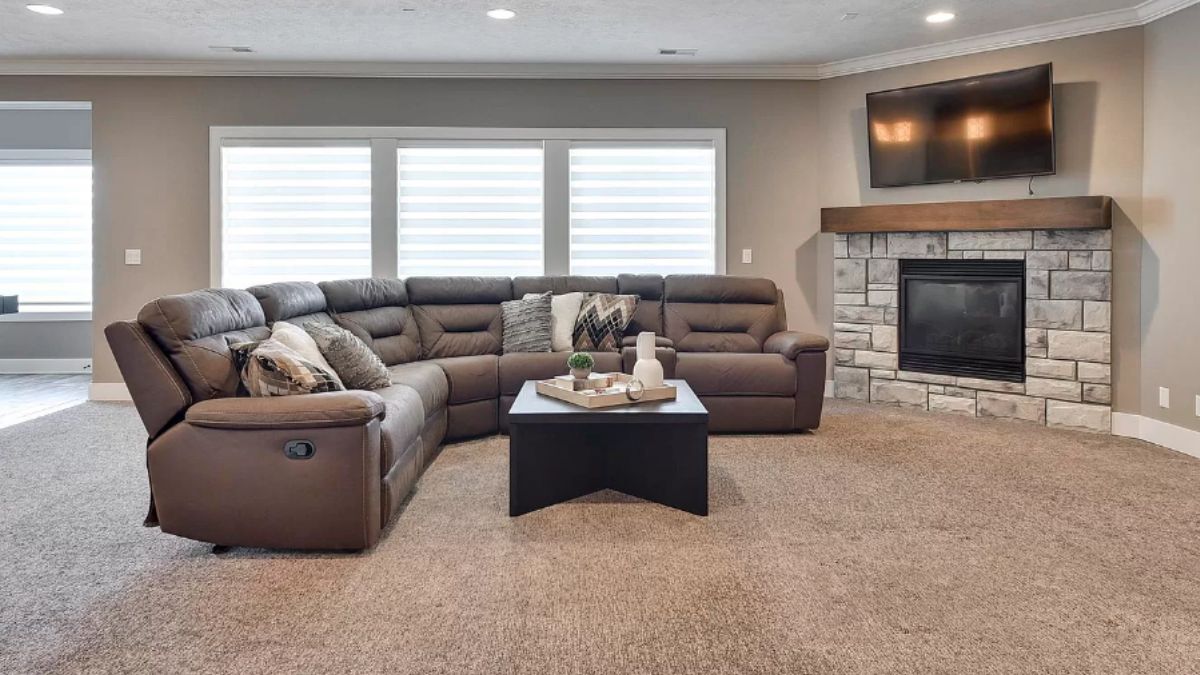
<point>734,32</point>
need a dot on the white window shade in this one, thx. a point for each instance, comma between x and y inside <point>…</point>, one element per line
<point>642,208</point>
<point>295,213</point>
<point>46,234</point>
<point>470,210</point>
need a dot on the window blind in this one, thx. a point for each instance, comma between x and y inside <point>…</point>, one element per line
<point>647,208</point>
<point>46,235</point>
<point>295,213</point>
<point>469,210</point>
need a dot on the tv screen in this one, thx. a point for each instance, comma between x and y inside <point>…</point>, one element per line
<point>991,126</point>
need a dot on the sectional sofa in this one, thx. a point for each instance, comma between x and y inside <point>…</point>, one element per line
<point>330,470</point>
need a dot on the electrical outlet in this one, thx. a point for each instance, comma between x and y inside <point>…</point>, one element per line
<point>133,256</point>
<point>1164,397</point>
<point>747,256</point>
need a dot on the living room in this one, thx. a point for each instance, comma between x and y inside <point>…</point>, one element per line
<point>841,401</point>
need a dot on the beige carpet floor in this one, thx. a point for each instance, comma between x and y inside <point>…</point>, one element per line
<point>889,541</point>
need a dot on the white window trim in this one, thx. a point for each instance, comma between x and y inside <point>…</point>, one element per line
<point>36,156</point>
<point>385,140</point>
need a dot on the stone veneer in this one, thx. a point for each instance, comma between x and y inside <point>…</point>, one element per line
<point>1068,294</point>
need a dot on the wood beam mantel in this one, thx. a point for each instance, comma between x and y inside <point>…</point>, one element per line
<point>1048,213</point>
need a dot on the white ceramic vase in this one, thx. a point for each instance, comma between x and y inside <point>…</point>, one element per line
<point>647,369</point>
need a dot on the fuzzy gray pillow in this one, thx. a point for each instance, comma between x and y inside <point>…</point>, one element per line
<point>356,365</point>
<point>527,324</point>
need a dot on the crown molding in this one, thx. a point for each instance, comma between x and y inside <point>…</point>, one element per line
<point>1139,15</point>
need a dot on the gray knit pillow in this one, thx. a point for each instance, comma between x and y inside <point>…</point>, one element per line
<point>527,324</point>
<point>355,363</point>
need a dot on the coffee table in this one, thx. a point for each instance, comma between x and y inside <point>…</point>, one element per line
<point>657,451</point>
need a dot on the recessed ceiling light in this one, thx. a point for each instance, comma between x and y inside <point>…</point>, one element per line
<point>44,9</point>
<point>940,17</point>
<point>502,14</point>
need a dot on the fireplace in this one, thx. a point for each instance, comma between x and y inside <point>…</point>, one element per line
<point>963,317</point>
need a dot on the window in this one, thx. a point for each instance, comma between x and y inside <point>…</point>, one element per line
<point>469,210</point>
<point>643,208</point>
<point>46,230</point>
<point>297,213</point>
<point>315,203</point>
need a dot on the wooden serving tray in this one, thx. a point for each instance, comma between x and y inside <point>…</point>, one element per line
<point>563,390</point>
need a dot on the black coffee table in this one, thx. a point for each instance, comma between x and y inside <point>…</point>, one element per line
<point>657,451</point>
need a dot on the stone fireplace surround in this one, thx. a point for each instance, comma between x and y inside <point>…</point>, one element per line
<point>1068,290</point>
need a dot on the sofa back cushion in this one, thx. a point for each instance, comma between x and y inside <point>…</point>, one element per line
<point>459,316</point>
<point>297,302</point>
<point>704,313</point>
<point>562,285</point>
<point>649,312</point>
<point>195,331</point>
<point>376,311</point>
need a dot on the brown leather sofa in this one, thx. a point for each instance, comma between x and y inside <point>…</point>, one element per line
<point>219,464</point>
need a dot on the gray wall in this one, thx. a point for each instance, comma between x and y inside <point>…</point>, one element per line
<point>1099,142</point>
<point>45,130</point>
<point>1171,223</point>
<point>150,153</point>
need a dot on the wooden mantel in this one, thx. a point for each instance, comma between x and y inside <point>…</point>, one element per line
<point>1048,213</point>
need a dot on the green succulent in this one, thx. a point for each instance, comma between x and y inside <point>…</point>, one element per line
<point>580,360</point>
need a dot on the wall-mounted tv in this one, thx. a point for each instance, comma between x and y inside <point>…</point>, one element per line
<point>999,125</point>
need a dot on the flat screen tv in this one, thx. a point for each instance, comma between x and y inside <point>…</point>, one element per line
<point>999,125</point>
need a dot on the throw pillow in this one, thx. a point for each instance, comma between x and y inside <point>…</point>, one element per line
<point>564,309</point>
<point>350,357</point>
<point>602,321</point>
<point>527,324</point>
<point>294,336</point>
<point>271,368</point>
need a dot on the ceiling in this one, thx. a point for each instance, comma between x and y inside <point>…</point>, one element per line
<point>609,33</point>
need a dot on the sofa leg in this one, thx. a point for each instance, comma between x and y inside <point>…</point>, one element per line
<point>218,549</point>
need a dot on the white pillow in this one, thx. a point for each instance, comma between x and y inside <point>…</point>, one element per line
<point>564,309</point>
<point>302,343</point>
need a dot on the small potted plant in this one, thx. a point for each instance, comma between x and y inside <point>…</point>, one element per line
<point>581,364</point>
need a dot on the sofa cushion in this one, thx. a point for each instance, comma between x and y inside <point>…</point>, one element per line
<point>356,365</point>
<point>427,379</point>
<point>459,290</point>
<point>376,312</point>
<point>297,302</point>
<point>737,374</point>
<point>602,321</point>
<point>515,369</point>
<point>471,378</point>
<point>561,285</point>
<point>649,289</point>
<point>195,330</point>
<point>527,323</point>
<point>459,330</point>
<point>709,288</point>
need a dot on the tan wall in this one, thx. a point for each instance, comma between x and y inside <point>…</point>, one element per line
<point>150,149</point>
<point>1098,94</point>
<point>1171,222</point>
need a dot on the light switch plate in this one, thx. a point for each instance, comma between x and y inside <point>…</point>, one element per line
<point>1198,405</point>
<point>133,256</point>
<point>747,256</point>
<point>1164,397</point>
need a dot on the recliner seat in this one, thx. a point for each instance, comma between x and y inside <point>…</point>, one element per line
<point>217,465</point>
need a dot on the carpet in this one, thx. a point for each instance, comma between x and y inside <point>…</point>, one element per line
<point>887,541</point>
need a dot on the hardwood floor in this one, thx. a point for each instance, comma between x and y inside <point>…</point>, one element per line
<point>25,397</point>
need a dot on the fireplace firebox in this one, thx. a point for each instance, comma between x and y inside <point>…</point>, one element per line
<point>963,317</point>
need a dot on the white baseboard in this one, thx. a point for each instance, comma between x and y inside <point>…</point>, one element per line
<point>1157,432</point>
<point>108,391</point>
<point>828,388</point>
<point>45,366</point>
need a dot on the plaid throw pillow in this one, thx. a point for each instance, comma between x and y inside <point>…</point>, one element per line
<point>602,321</point>
<point>271,368</point>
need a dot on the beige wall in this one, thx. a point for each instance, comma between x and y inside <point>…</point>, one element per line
<point>1098,94</point>
<point>150,152</point>
<point>1171,221</point>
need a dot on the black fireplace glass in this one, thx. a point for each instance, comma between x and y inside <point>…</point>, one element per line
<point>963,317</point>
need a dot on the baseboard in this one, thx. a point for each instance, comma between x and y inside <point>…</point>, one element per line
<point>45,366</point>
<point>828,388</point>
<point>108,391</point>
<point>1157,432</point>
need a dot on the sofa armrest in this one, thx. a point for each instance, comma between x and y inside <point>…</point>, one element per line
<point>791,343</point>
<point>305,411</point>
<point>659,341</point>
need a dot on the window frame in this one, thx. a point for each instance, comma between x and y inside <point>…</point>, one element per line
<point>44,157</point>
<point>385,141</point>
